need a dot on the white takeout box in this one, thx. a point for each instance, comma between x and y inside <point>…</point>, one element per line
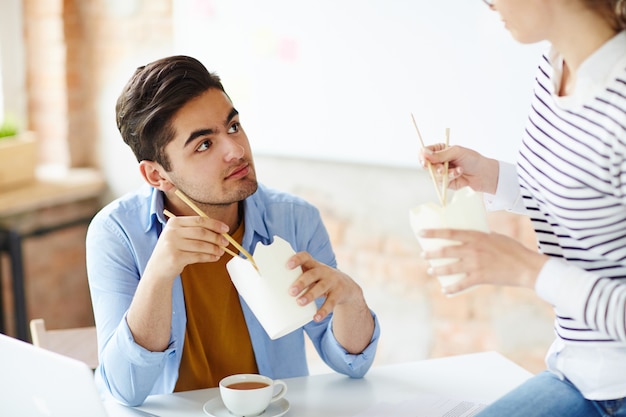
<point>266,291</point>
<point>466,210</point>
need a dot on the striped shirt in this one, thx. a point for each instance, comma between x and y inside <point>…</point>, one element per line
<point>572,170</point>
<point>572,182</point>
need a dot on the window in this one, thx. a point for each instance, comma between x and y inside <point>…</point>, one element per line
<point>12,72</point>
<point>1,90</point>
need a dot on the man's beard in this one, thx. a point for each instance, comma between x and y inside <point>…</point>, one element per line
<point>245,189</point>
<point>251,185</point>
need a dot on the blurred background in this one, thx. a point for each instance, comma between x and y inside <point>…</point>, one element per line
<point>325,90</point>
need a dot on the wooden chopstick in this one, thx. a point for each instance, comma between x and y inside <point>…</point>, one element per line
<point>444,185</point>
<point>199,212</point>
<point>172,215</point>
<point>430,167</point>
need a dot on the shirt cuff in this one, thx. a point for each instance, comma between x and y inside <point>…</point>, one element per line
<point>507,196</point>
<point>358,364</point>
<point>564,286</point>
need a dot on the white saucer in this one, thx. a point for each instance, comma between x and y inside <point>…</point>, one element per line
<point>216,408</point>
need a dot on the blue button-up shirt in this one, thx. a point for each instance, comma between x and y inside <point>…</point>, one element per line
<point>120,241</point>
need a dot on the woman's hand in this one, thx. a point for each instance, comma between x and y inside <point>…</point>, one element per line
<point>484,258</point>
<point>465,167</point>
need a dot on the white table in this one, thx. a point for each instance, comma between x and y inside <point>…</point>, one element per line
<point>480,376</point>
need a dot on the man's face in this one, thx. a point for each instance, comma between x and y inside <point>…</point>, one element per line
<point>210,156</point>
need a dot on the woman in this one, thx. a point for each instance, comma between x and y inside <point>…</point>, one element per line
<point>570,180</point>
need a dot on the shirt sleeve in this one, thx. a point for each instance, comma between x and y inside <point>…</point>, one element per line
<point>126,370</point>
<point>582,295</point>
<point>507,196</point>
<point>353,365</point>
<point>563,286</point>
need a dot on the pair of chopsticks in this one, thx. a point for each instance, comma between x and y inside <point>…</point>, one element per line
<point>441,193</point>
<point>200,213</point>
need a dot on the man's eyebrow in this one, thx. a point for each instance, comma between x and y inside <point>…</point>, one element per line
<point>231,115</point>
<point>197,133</point>
<point>207,132</point>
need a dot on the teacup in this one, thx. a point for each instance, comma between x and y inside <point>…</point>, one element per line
<point>266,290</point>
<point>466,210</point>
<point>250,394</point>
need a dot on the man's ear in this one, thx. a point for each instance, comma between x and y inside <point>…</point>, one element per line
<point>155,175</point>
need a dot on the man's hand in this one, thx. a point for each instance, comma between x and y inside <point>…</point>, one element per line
<point>184,240</point>
<point>353,324</point>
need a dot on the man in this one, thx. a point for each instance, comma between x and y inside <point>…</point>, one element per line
<point>168,316</point>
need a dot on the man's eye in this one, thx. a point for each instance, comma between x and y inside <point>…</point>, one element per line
<point>204,146</point>
<point>234,128</point>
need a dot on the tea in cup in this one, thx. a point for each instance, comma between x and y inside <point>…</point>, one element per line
<point>266,290</point>
<point>466,210</point>
<point>250,394</point>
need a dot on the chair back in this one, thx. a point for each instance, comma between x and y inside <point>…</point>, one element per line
<point>78,343</point>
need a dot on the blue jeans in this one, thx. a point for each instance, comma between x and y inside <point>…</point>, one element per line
<point>545,395</point>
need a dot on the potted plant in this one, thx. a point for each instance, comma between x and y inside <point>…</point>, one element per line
<point>17,155</point>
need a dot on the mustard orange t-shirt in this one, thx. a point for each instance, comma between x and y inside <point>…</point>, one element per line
<point>217,342</point>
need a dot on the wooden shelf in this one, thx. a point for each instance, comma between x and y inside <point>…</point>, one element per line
<point>38,208</point>
<point>57,200</point>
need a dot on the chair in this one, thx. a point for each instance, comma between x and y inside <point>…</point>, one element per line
<point>79,343</point>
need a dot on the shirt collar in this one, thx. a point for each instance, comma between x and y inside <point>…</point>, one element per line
<point>253,212</point>
<point>157,206</point>
<point>594,73</point>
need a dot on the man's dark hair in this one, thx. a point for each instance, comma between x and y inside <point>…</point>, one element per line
<point>150,99</point>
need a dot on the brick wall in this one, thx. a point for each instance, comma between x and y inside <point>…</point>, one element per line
<point>45,78</point>
<point>71,48</point>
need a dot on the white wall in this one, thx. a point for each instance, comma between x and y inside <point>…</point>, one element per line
<point>338,79</point>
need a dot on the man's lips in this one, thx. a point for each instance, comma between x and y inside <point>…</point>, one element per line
<point>239,172</point>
